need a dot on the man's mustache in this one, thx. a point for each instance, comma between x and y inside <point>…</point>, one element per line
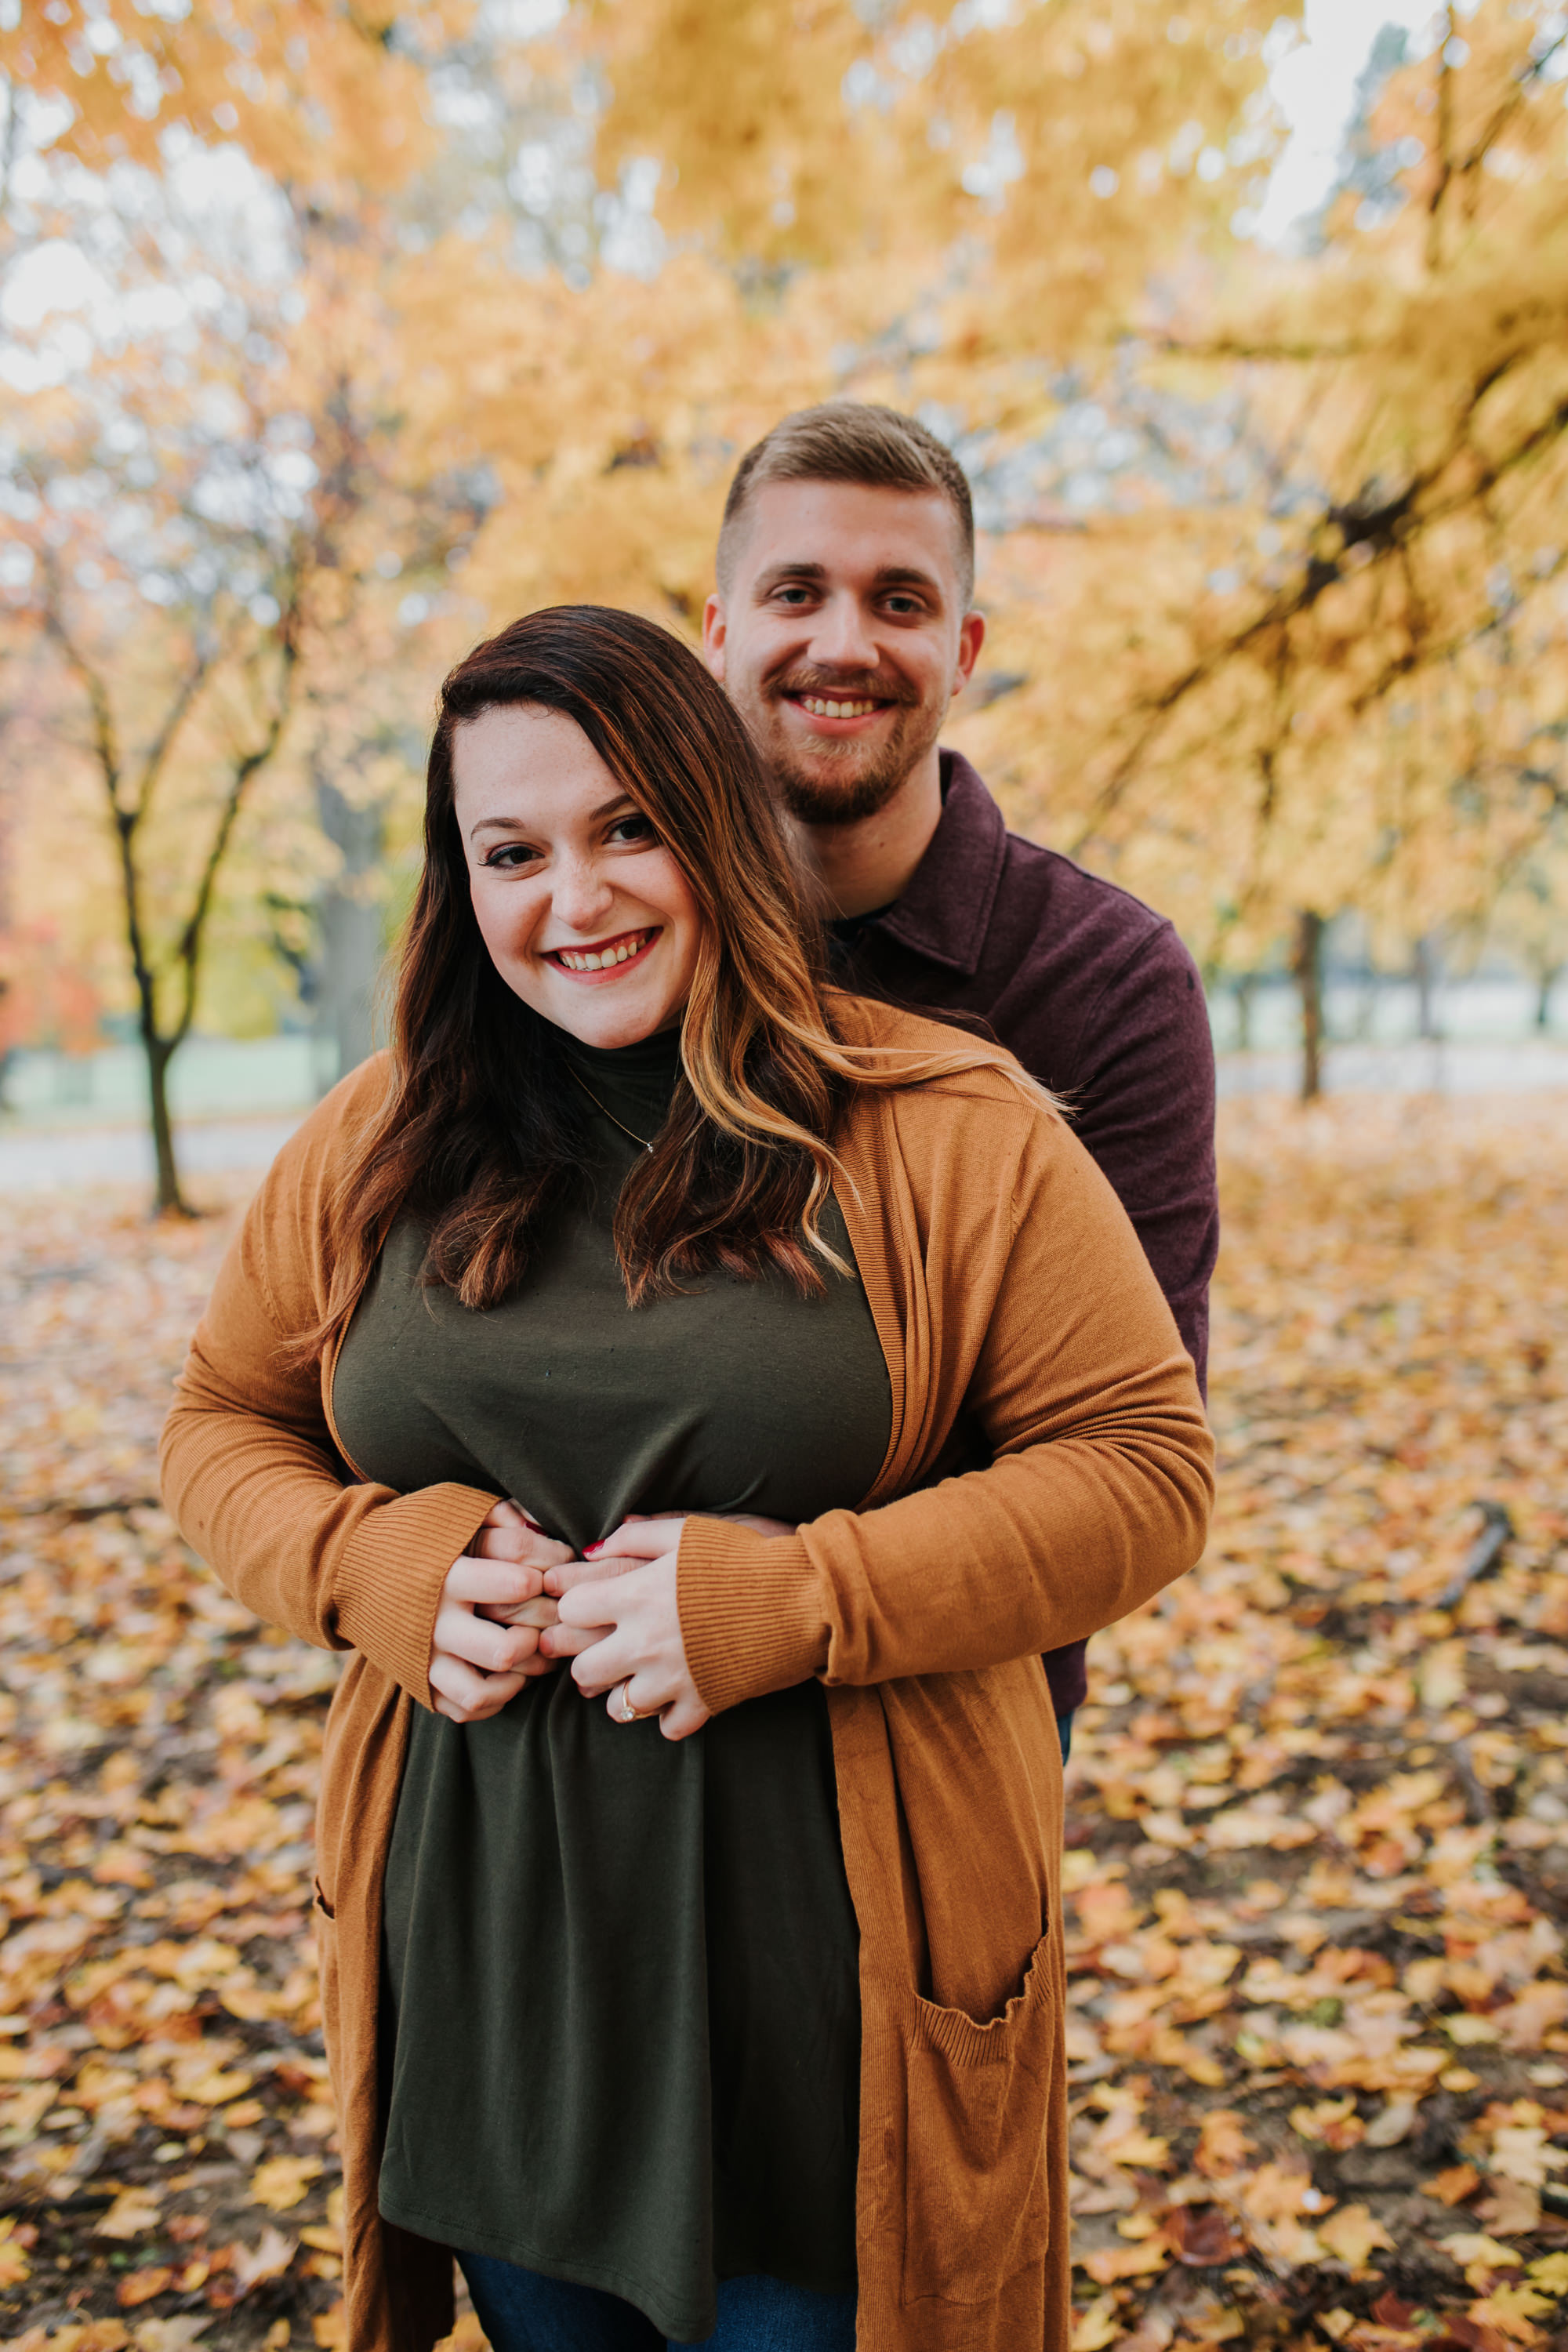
<point>829,687</point>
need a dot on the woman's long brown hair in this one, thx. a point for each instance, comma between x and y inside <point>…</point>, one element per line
<point>481,1129</point>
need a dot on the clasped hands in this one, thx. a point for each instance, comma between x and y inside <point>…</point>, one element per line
<point>516,1604</point>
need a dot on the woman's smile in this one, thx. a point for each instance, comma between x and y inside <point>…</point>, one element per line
<point>604,958</point>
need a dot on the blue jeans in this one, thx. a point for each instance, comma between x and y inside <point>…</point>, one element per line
<point>520,2311</point>
<point>1064,1731</point>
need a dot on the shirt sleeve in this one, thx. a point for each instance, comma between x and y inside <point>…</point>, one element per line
<point>252,1476</point>
<point>1098,1493</point>
<point>1144,1110</point>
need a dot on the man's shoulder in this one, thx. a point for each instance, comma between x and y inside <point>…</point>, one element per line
<point>1039,904</point>
<point>1038,883</point>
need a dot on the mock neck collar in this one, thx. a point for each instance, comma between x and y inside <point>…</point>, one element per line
<point>647,1060</point>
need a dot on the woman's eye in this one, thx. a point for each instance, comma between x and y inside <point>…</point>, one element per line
<point>509,855</point>
<point>632,828</point>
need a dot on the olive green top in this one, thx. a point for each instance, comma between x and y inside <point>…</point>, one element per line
<point>620,1972</point>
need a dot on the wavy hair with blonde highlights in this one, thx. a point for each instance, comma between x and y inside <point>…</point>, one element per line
<point>481,1131</point>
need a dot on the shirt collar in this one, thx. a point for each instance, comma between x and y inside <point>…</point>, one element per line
<point>946,909</point>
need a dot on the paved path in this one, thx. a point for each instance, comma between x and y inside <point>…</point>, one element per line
<point>39,1159</point>
<point>1526,1066</point>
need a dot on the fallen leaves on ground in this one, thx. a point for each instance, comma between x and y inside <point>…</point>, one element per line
<point>1318,1813</point>
<point>1318,1826</point>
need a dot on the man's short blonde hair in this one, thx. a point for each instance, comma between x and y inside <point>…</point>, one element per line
<point>850,441</point>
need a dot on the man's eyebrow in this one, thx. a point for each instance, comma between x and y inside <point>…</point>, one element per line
<point>891,575</point>
<point>520,825</point>
<point>906,575</point>
<point>774,572</point>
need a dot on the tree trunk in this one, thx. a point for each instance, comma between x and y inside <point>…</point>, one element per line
<point>1545,982</point>
<point>1246,990</point>
<point>169,1200</point>
<point>1428,972</point>
<point>1309,980</point>
<point>349,930</point>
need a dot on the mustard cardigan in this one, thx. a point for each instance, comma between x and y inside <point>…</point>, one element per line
<point>1004,1279</point>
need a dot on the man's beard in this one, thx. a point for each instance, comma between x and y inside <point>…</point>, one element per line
<point>814,794</point>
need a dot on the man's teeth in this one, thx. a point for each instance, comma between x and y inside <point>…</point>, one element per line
<point>820,709</point>
<point>605,957</point>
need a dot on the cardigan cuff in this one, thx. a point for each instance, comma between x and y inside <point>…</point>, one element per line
<point>750,1612</point>
<point>388,1584</point>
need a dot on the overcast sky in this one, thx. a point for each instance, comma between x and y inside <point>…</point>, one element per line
<point>1315,85</point>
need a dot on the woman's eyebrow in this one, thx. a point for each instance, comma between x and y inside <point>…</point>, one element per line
<point>498,824</point>
<point>520,825</point>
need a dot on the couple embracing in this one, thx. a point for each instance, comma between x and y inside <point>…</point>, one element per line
<point>711,1403</point>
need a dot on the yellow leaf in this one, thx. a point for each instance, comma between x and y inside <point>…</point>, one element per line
<point>1112,2262</point>
<point>284,2181</point>
<point>1223,2145</point>
<point>1096,2326</point>
<point>133,2212</point>
<point>1466,2029</point>
<point>1550,2273</point>
<point>217,2089</point>
<point>1352,2235</point>
<point>1513,2311</point>
<point>267,2259</point>
<point>1472,2246</point>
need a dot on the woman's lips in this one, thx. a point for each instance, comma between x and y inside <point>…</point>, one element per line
<point>606,958</point>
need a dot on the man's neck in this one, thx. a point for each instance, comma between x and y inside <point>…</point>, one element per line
<point>871,861</point>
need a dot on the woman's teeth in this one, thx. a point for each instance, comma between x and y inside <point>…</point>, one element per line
<point>820,709</point>
<point>601,958</point>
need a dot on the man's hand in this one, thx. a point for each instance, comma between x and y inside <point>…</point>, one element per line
<point>620,1623</point>
<point>493,1608</point>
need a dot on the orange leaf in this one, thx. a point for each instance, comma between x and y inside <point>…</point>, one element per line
<point>141,2287</point>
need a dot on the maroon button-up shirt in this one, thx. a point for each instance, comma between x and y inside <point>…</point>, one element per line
<point>1099,999</point>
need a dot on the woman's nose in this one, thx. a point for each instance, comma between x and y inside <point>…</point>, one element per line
<point>583,893</point>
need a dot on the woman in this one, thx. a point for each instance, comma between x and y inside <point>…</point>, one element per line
<point>781,1361</point>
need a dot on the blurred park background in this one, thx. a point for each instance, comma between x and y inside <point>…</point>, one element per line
<point>333,332</point>
<point>332,335</point>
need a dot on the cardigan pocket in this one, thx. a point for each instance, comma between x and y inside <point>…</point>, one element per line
<point>978,2207</point>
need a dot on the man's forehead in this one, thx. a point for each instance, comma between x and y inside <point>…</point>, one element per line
<point>858,528</point>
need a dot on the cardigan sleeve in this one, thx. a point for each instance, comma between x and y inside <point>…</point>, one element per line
<point>249,1464</point>
<point>1098,1493</point>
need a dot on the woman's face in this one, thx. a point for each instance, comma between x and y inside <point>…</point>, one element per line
<point>586,915</point>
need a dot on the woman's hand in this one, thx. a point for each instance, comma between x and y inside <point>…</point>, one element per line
<point>620,1623</point>
<point>493,1608</point>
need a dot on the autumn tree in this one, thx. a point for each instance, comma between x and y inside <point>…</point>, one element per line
<point>1342,685</point>
<point>210,510</point>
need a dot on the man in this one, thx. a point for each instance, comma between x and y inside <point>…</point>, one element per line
<point>842,629</point>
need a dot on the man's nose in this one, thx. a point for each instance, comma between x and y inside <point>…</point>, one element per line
<point>842,638</point>
<point>583,893</point>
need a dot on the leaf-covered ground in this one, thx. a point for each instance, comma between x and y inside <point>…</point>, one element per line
<point>1319,1812</point>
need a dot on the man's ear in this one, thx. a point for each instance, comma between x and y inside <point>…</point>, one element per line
<point>713,636</point>
<point>971,637</point>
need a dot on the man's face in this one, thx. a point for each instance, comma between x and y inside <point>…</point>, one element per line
<point>842,639</point>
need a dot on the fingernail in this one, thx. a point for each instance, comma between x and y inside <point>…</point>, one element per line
<point>589,1550</point>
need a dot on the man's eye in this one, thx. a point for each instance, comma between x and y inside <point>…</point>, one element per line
<point>793,596</point>
<point>904,606</point>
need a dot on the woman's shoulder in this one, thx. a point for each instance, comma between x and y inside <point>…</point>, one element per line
<point>966,1067</point>
<point>294,1192</point>
<point>340,1119</point>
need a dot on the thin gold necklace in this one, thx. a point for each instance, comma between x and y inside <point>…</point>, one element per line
<point>610,1115</point>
